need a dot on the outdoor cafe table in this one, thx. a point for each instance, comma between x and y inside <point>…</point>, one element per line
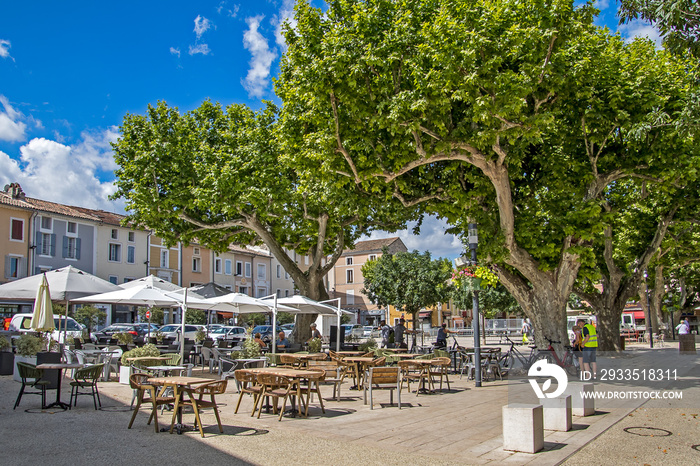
<point>489,352</point>
<point>424,366</point>
<point>165,369</point>
<point>350,353</point>
<point>361,363</point>
<point>151,358</point>
<point>297,375</point>
<point>304,358</point>
<point>60,367</point>
<point>180,386</point>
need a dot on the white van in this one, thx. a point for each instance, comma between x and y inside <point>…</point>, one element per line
<point>20,323</point>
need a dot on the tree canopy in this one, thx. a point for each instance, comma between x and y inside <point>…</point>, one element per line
<point>677,20</point>
<point>519,116</point>
<point>219,176</point>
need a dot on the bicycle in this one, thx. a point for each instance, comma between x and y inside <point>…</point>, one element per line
<point>507,361</point>
<point>568,362</point>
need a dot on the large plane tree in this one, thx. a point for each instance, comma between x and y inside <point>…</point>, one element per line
<point>219,176</point>
<point>520,116</point>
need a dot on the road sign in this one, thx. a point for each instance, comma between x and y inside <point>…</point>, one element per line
<point>148,314</point>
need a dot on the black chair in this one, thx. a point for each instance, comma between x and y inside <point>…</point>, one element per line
<point>83,378</point>
<point>78,344</point>
<point>29,371</point>
<point>224,344</point>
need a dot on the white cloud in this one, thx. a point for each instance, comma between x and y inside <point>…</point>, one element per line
<point>432,238</point>
<point>201,25</point>
<point>639,28</point>
<point>199,48</point>
<point>602,4</point>
<point>66,174</point>
<point>286,13</point>
<point>258,77</point>
<point>230,12</point>
<point>5,49</point>
<point>12,128</point>
<point>174,51</point>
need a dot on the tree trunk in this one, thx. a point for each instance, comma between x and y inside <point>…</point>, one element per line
<point>312,287</point>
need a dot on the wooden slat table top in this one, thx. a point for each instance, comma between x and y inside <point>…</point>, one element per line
<point>292,373</point>
<point>350,353</point>
<point>143,358</point>
<point>59,365</point>
<point>179,380</point>
<point>359,359</point>
<point>304,356</point>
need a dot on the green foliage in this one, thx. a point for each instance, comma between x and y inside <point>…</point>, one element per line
<point>221,176</point>
<point>140,351</point>
<point>29,345</point>
<point>407,281</point>
<point>253,318</point>
<point>196,316</point>
<point>124,338</point>
<point>4,344</point>
<point>369,345</point>
<point>200,335</point>
<point>157,315</point>
<point>315,345</point>
<point>344,319</point>
<point>159,336</point>
<point>677,20</point>
<point>251,348</point>
<point>522,117</point>
<point>285,317</point>
<point>90,316</point>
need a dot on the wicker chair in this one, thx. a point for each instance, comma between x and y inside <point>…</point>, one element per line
<point>275,386</point>
<point>312,386</point>
<point>248,384</point>
<point>143,390</point>
<point>197,402</point>
<point>29,371</point>
<point>334,374</point>
<point>440,367</point>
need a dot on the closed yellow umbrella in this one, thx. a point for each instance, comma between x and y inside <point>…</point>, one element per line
<point>42,319</point>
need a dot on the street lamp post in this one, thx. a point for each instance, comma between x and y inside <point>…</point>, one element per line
<point>473,244</point>
<point>649,323</point>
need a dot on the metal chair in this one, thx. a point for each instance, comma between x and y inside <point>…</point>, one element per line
<point>84,378</point>
<point>29,371</point>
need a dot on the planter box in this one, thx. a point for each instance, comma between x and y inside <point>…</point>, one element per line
<point>7,363</point>
<point>124,374</point>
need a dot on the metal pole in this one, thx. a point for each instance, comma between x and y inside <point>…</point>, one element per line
<point>475,322</point>
<point>648,316</point>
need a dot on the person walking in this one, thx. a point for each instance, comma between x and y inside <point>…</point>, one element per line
<point>385,332</point>
<point>526,328</point>
<point>684,327</point>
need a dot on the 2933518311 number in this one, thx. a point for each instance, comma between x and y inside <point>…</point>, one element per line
<point>630,375</point>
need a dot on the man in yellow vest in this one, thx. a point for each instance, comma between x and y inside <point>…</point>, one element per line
<point>590,346</point>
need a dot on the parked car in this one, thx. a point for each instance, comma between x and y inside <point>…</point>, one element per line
<point>265,332</point>
<point>368,330</point>
<point>356,330</point>
<point>233,334</point>
<point>173,330</point>
<point>214,326</point>
<point>287,328</point>
<point>138,331</point>
<point>21,323</point>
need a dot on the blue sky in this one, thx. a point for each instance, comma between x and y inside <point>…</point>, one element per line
<point>70,71</point>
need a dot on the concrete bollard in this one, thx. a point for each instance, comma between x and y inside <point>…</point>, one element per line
<point>557,413</point>
<point>523,428</point>
<point>580,405</point>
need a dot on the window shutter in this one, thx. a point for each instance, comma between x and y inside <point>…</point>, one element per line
<point>38,242</point>
<point>53,244</point>
<point>77,248</point>
<point>65,247</point>
<point>22,268</point>
<point>7,266</point>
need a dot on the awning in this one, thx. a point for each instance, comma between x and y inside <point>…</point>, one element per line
<point>638,315</point>
<point>424,314</point>
<point>225,315</point>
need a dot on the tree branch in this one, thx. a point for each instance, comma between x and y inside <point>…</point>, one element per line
<point>339,141</point>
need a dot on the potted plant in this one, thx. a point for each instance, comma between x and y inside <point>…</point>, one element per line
<point>7,358</point>
<point>138,352</point>
<point>32,349</point>
<point>369,345</point>
<point>315,345</point>
<point>124,339</point>
<point>159,336</point>
<point>200,335</point>
<point>251,348</point>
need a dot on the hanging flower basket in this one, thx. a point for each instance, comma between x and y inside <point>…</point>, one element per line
<point>472,283</point>
<point>473,278</point>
